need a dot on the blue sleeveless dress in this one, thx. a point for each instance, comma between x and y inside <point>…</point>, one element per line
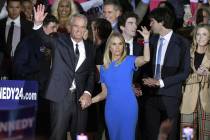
<point>121,108</point>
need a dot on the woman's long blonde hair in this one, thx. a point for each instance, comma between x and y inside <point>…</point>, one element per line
<point>194,43</point>
<point>107,54</point>
<point>54,9</point>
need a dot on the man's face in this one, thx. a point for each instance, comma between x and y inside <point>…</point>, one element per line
<point>155,26</point>
<point>14,9</point>
<point>130,27</point>
<point>78,28</point>
<point>50,28</point>
<point>27,9</point>
<point>110,13</point>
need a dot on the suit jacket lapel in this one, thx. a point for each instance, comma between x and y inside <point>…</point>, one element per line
<point>71,52</point>
<point>169,48</point>
<point>4,30</point>
<point>136,50</point>
<point>86,54</point>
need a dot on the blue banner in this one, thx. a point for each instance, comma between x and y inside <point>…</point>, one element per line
<point>17,93</point>
<point>18,101</point>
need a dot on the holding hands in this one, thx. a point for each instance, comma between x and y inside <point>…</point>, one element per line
<point>85,100</point>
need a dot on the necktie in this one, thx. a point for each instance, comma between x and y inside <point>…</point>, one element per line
<point>133,4</point>
<point>158,66</point>
<point>10,37</point>
<point>127,48</point>
<point>76,54</point>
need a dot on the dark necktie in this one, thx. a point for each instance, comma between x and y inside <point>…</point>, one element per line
<point>10,37</point>
<point>127,48</point>
<point>158,66</point>
<point>76,54</point>
<point>133,4</point>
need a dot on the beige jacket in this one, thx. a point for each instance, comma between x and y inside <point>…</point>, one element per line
<point>197,86</point>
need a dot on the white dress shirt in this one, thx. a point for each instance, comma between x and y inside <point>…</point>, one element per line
<point>167,38</point>
<point>82,57</point>
<point>130,42</point>
<point>82,54</point>
<point>16,32</point>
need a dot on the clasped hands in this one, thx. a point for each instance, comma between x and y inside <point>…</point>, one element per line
<point>203,71</point>
<point>85,100</point>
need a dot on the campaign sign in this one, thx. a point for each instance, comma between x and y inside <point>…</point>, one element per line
<point>18,101</point>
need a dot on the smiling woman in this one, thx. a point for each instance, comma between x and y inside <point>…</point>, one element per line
<point>116,81</point>
<point>62,10</point>
<point>195,108</point>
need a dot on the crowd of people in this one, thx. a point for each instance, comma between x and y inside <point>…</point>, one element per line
<point>136,69</point>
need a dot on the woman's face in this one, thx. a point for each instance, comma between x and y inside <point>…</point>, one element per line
<point>116,47</point>
<point>202,37</point>
<point>64,8</point>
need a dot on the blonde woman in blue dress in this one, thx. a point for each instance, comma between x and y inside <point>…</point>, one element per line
<point>121,109</point>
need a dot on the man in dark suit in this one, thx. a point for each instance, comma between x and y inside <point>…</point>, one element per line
<point>12,30</point>
<point>72,76</point>
<point>127,24</point>
<point>169,67</point>
<point>32,61</point>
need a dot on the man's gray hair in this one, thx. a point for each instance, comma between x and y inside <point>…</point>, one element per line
<point>72,18</point>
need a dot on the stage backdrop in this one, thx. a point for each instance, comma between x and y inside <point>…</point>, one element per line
<point>18,101</point>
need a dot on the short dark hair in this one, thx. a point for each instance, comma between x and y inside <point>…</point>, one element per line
<point>49,18</point>
<point>103,27</point>
<point>163,15</point>
<point>8,1</point>
<point>122,19</point>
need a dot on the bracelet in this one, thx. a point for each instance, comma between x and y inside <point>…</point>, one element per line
<point>145,42</point>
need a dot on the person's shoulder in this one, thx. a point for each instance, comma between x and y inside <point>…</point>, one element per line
<point>59,36</point>
<point>26,22</point>
<point>3,20</point>
<point>181,40</point>
<point>130,58</point>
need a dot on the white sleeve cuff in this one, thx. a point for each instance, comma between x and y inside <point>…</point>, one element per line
<point>145,1</point>
<point>88,93</point>
<point>161,83</point>
<point>36,27</point>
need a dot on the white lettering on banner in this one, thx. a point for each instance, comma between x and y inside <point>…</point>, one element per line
<point>16,94</point>
<point>20,124</point>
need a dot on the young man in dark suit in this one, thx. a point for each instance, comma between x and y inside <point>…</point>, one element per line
<point>72,76</point>
<point>127,25</point>
<point>12,30</point>
<point>169,67</point>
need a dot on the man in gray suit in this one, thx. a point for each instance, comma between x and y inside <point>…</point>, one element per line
<point>72,76</point>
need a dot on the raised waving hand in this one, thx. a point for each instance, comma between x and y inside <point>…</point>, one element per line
<point>39,14</point>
